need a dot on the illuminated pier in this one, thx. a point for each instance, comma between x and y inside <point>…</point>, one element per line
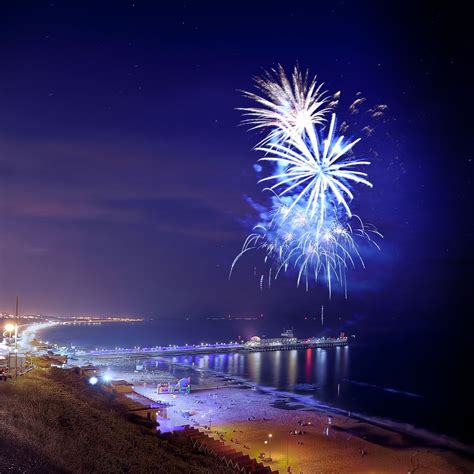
<point>256,344</point>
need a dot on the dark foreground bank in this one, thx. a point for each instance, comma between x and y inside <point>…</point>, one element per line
<point>52,421</point>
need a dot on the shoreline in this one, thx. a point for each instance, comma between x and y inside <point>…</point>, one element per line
<point>243,417</point>
<point>422,436</point>
<point>242,414</point>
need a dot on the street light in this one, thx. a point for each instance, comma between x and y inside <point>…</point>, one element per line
<point>270,445</point>
<point>10,327</point>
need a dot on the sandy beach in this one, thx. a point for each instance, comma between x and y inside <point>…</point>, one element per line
<point>304,439</point>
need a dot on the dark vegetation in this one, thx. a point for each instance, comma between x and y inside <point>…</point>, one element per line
<point>51,421</point>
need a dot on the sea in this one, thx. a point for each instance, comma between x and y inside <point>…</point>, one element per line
<point>412,382</point>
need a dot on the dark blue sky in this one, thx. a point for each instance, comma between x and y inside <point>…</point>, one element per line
<point>124,172</point>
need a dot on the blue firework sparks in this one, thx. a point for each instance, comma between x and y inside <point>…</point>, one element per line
<point>309,228</point>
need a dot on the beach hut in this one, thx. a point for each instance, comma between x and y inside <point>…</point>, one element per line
<point>89,371</point>
<point>119,386</point>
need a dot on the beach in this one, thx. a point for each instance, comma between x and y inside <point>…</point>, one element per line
<point>303,438</point>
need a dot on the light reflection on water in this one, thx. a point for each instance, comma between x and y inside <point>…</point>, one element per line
<point>255,366</point>
<point>277,369</point>
<point>311,371</point>
<point>292,368</point>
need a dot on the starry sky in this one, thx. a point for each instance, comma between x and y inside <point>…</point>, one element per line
<point>126,180</point>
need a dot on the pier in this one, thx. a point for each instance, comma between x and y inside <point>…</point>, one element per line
<point>254,345</point>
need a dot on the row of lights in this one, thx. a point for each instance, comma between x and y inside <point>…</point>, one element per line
<point>169,346</point>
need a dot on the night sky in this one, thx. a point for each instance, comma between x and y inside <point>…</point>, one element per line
<point>126,180</point>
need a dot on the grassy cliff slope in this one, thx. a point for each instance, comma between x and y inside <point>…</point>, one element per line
<point>52,421</point>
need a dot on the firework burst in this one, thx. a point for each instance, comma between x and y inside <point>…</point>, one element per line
<point>309,229</point>
<point>286,107</point>
<point>318,170</point>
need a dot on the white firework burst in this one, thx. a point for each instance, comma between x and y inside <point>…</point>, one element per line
<point>286,107</point>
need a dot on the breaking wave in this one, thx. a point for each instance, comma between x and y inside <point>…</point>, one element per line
<point>385,389</point>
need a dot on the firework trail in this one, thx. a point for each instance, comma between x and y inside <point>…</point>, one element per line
<point>309,228</point>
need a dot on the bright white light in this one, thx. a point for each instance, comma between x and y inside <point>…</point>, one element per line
<point>107,377</point>
<point>9,327</point>
<point>93,380</point>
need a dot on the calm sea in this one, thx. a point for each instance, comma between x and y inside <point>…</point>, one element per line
<point>404,378</point>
